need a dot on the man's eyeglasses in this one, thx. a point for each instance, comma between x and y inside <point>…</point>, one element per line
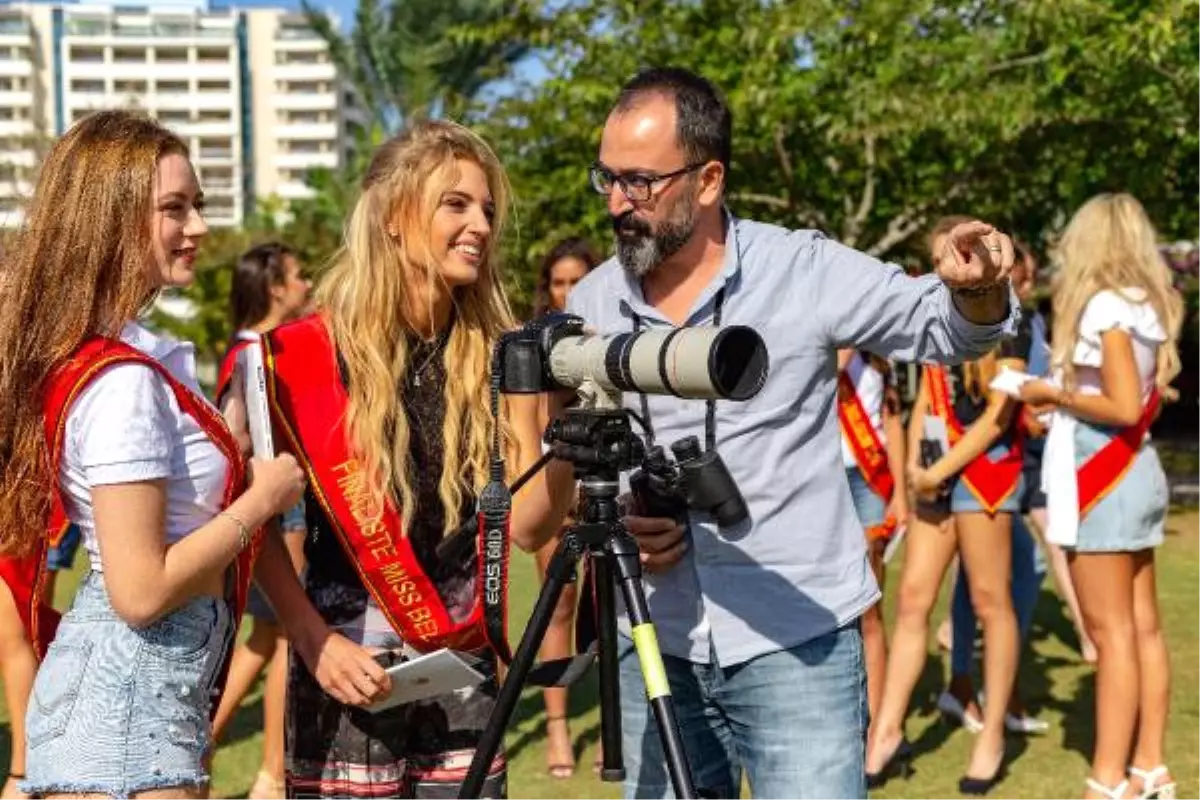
<point>637,186</point>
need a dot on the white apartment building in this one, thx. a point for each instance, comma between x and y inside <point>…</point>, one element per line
<point>252,91</point>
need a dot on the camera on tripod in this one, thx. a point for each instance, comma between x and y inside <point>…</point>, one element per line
<point>556,352</point>
<point>701,363</point>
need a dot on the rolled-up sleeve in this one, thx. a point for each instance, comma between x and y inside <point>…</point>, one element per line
<point>866,304</point>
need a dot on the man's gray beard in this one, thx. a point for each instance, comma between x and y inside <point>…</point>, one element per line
<point>640,256</point>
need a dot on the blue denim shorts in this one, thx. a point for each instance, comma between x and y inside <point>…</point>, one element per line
<point>1131,516</point>
<point>118,710</point>
<point>868,505</point>
<point>962,501</point>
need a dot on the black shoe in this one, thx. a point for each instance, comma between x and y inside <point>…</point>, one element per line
<point>981,786</point>
<point>898,763</point>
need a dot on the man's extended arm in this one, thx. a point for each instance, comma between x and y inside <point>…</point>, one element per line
<point>866,304</point>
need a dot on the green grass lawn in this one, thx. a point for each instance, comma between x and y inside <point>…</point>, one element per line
<point>1055,683</point>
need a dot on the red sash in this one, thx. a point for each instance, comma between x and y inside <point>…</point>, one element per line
<point>308,403</point>
<point>991,482</point>
<point>869,452</point>
<point>225,369</point>
<point>1105,468</point>
<point>63,386</point>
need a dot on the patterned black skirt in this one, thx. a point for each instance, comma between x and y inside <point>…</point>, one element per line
<point>419,750</point>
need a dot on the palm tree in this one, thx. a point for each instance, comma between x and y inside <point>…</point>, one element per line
<point>413,59</point>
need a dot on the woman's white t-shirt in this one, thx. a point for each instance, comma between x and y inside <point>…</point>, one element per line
<point>1109,310</point>
<point>869,383</point>
<point>127,427</point>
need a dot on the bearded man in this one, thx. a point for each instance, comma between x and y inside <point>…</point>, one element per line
<point>758,623</point>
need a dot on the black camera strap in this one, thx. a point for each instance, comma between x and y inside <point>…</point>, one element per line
<point>710,410</point>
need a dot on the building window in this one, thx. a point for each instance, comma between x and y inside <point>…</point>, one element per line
<point>87,27</point>
<point>213,86</point>
<point>87,55</point>
<point>174,117</point>
<point>129,55</point>
<point>88,86</point>
<point>215,115</point>
<point>210,55</point>
<point>171,87</point>
<point>171,55</point>
<point>129,87</point>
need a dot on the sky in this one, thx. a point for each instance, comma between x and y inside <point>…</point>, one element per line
<point>343,8</point>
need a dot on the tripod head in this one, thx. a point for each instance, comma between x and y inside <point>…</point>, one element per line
<point>599,443</point>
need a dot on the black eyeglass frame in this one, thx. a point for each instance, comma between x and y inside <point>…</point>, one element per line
<point>602,176</point>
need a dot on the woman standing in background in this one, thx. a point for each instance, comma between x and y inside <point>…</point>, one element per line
<point>1116,320</point>
<point>567,263</point>
<point>269,288</point>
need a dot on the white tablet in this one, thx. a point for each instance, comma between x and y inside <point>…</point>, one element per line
<point>258,409</point>
<point>429,675</point>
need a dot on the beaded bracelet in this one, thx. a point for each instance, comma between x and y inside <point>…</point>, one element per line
<point>243,530</point>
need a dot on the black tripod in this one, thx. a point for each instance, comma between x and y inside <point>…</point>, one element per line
<point>599,444</point>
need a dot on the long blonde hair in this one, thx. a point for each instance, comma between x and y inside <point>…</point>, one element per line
<point>79,266</point>
<point>1111,244</point>
<point>366,291</point>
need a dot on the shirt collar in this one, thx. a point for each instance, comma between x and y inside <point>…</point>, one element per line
<point>634,302</point>
<point>178,357</point>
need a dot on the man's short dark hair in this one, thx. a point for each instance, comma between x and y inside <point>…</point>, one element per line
<point>703,123</point>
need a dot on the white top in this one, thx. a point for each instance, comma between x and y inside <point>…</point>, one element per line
<point>868,382</point>
<point>126,427</point>
<point>1106,311</point>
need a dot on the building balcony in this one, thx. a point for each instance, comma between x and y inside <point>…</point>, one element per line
<point>16,99</point>
<point>101,31</point>
<point>307,131</point>
<point>304,72</point>
<point>205,128</point>
<point>219,155</point>
<point>11,217</point>
<point>11,67</point>
<point>305,160</point>
<point>294,190</point>
<point>16,127</point>
<point>15,190</point>
<point>305,101</point>
<point>15,26</point>
<point>23,157</point>
<point>224,187</point>
<point>195,101</point>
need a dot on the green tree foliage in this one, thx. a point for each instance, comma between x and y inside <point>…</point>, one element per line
<point>870,119</point>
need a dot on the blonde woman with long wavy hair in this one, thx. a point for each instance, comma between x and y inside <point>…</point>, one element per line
<point>1117,318</point>
<point>384,395</point>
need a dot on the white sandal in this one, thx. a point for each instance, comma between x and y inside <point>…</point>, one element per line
<point>952,707</point>
<point>1111,792</point>
<point>1149,778</point>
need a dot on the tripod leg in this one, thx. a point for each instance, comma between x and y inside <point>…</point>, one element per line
<point>562,565</point>
<point>654,673</point>
<point>613,769</point>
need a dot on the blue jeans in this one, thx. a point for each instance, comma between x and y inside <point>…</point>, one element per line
<point>1028,570</point>
<point>795,720</point>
